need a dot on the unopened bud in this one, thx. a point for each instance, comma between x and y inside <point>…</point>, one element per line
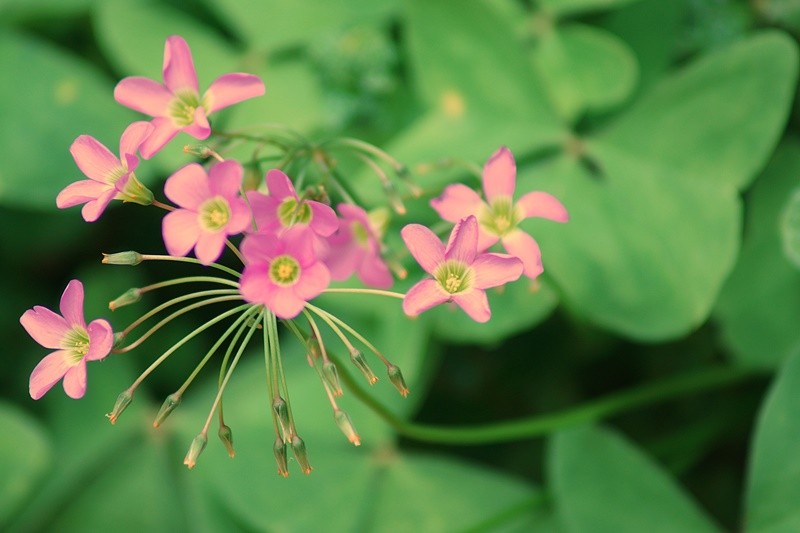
<point>131,296</point>
<point>313,352</point>
<point>346,425</point>
<point>281,457</point>
<point>281,411</point>
<point>331,377</point>
<point>396,377</point>
<point>226,436</point>
<point>169,405</point>
<point>358,359</point>
<point>197,447</point>
<point>123,400</point>
<point>299,450</point>
<point>122,258</point>
<point>405,175</point>
<point>135,191</point>
<point>394,198</point>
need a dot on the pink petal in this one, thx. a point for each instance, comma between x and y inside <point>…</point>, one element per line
<point>199,128</point>
<point>94,208</point>
<point>94,159</point>
<point>485,239</point>
<point>81,192</point>
<point>323,219</point>
<point>255,283</point>
<point>179,72</point>
<point>264,209</point>
<point>101,339</point>
<point>279,185</point>
<point>422,296</point>
<point>181,231</point>
<point>475,304</point>
<point>463,243</point>
<point>456,202</point>
<point>500,175</point>
<point>143,95</point>
<point>344,258</point>
<point>225,179</point>
<point>521,245</point>
<point>492,270</point>
<point>313,280</point>
<point>188,187</point>
<point>72,304</point>
<point>299,242</point>
<point>164,130</point>
<point>544,205</point>
<point>240,217</point>
<point>44,326</point>
<point>231,89</point>
<point>261,248</point>
<point>209,246</point>
<point>75,381</point>
<point>374,273</point>
<point>424,245</point>
<point>47,373</point>
<point>133,136</point>
<point>285,303</point>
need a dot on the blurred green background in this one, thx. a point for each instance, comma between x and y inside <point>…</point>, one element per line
<point>663,334</point>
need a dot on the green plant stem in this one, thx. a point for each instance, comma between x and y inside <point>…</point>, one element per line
<point>376,292</point>
<point>539,425</point>
<point>189,279</point>
<point>151,257</point>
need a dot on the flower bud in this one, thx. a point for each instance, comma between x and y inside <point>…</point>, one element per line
<point>122,258</point>
<point>299,450</point>
<point>135,191</point>
<point>358,359</point>
<point>313,352</point>
<point>346,425</point>
<point>226,436</point>
<point>169,405</point>
<point>281,411</point>
<point>131,296</point>
<point>331,377</point>
<point>123,400</point>
<point>396,377</point>
<point>197,447</point>
<point>280,457</point>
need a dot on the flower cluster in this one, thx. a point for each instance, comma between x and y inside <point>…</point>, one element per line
<point>290,245</point>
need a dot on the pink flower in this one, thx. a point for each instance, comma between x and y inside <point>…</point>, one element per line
<point>459,273</point>
<point>355,248</point>
<point>211,210</point>
<point>177,105</point>
<point>74,342</point>
<point>109,178</point>
<point>283,208</point>
<point>282,272</point>
<point>500,216</point>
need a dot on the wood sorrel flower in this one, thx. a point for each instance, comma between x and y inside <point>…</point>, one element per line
<point>282,271</point>
<point>74,342</point>
<point>211,209</point>
<point>459,273</point>
<point>177,105</point>
<point>109,178</point>
<point>355,248</point>
<point>499,216</point>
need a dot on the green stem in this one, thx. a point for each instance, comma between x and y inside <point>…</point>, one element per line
<point>377,292</point>
<point>200,294</point>
<point>536,426</point>
<point>150,257</point>
<point>188,279</point>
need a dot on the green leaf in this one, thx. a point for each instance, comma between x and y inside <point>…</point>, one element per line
<point>55,98</point>
<point>601,482</point>
<point>562,8</point>
<point>757,310</point>
<point>772,486</point>
<point>790,228</point>
<point>24,457</point>
<point>585,69</point>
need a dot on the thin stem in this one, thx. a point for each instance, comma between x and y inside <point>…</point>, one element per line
<point>313,324</point>
<point>165,207</point>
<point>223,367</point>
<point>188,279</point>
<point>367,148</point>
<point>150,257</point>
<point>234,249</point>
<point>351,331</point>
<point>200,294</point>
<point>273,325</point>
<point>536,426</point>
<point>271,385</point>
<point>335,329</point>
<point>377,292</point>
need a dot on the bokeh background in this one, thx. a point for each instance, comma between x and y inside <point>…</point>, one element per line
<point>654,358</point>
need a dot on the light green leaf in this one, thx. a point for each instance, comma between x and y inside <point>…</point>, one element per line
<point>585,69</point>
<point>773,485</point>
<point>601,482</point>
<point>25,455</point>
<point>758,311</point>
<point>562,8</point>
<point>55,98</point>
<point>790,228</point>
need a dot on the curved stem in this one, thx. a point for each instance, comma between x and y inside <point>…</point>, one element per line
<point>539,425</point>
<point>189,279</point>
<point>377,292</point>
<point>151,257</point>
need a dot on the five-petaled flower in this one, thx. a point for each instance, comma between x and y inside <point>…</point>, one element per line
<point>211,210</point>
<point>355,247</point>
<point>460,273</point>
<point>74,342</point>
<point>499,216</point>
<point>282,271</point>
<point>177,105</point>
<point>109,178</point>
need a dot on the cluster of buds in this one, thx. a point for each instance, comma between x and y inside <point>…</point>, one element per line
<point>289,243</point>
